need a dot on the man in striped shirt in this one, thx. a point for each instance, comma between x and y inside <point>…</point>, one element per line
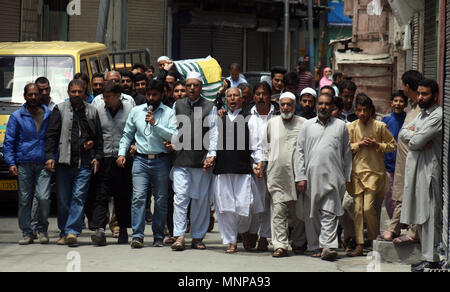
<point>305,78</point>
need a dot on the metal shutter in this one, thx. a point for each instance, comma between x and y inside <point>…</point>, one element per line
<point>446,128</point>
<point>10,16</point>
<point>256,47</point>
<point>430,53</point>
<point>276,49</point>
<point>195,42</point>
<point>146,27</point>
<point>415,29</point>
<point>84,27</point>
<point>228,47</point>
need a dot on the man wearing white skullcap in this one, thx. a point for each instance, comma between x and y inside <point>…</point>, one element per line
<point>281,138</point>
<point>308,103</point>
<point>195,155</point>
<point>162,61</point>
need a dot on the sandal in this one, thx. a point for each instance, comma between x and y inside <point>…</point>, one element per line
<point>198,244</point>
<point>317,253</point>
<point>232,248</point>
<point>280,253</point>
<point>404,239</point>
<point>329,254</point>
<point>179,244</point>
<point>170,240</point>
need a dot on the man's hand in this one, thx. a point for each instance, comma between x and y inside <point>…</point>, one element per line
<point>121,161</point>
<point>258,171</point>
<point>88,145</point>
<point>150,118</point>
<point>168,65</point>
<point>373,142</point>
<point>412,128</point>
<point>301,186</point>
<point>221,113</point>
<point>133,150</point>
<point>95,165</point>
<point>209,163</point>
<point>169,147</point>
<point>13,170</point>
<point>50,165</point>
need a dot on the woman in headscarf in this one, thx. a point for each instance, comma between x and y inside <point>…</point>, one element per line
<point>327,79</point>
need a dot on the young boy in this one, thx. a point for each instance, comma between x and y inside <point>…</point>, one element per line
<point>369,140</point>
<point>394,123</point>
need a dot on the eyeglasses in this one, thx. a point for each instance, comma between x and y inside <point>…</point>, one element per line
<point>190,85</point>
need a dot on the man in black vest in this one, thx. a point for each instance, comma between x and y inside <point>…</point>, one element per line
<point>195,156</point>
<point>240,147</point>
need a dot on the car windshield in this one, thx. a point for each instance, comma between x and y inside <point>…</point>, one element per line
<point>17,71</point>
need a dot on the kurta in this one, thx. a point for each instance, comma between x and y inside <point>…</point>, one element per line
<point>402,151</point>
<point>368,169</point>
<point>423,170</point>
<point>323,158</point>
<point>233,192</point>
<point>281,140</point>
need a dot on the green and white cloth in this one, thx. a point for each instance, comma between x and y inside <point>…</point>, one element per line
<point>210,70</point>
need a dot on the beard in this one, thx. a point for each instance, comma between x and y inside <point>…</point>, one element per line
<point>324,115</point>
<point>287,116</point>
<point>426,105</point>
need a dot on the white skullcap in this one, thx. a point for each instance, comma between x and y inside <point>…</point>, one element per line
<point>310,91</point>
<point>289,95</point>
<point>163,58</point>
<point>194,75</point>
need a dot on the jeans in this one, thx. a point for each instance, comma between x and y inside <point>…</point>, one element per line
<point>148,172</point>
<point>34,181</point>
<point>72,187</point>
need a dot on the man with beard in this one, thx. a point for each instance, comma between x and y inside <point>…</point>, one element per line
<point>140,86</point>
<point>179,90</point>
<point>247,96</point>
<point>75,134</point>
<point>323,165</point>
<point>150,125</point>
<point>308,103</point>
<point>282,132</point>
<point>422,199</point>
<point>98,81</point>
<point>24,153</point>
<point>126,81</point>
<point>44,92</point>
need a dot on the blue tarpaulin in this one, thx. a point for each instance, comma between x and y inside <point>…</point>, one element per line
<point>336,16</point>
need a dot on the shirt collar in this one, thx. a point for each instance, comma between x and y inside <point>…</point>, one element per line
<point>318,121</point>
<point>193,102</point>
<point>431,109</point>
<point>254,111</point>
<point>120,106</point>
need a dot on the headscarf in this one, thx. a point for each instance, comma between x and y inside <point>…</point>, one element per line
<point>325,81</point>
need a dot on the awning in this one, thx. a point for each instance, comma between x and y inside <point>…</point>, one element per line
<point>361,58</point>
<point>403,10</point>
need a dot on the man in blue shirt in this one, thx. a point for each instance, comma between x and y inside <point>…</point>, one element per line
<point>150,125</point>
<point>394,123</point>
<point>25,155</point>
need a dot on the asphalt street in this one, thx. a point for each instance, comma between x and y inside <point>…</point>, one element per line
<point>121,258</point>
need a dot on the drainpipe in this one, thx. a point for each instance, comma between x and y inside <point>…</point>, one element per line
<point>124,37</point>
<point>102,25</point>
<point>311,36</point>
<point>286,34</point>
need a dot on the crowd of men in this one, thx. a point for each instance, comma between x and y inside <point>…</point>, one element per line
<point>278,161</point>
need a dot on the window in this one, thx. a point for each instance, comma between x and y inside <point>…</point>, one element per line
<point>95,66</point>
<point>84,68</point>
<point>104,64</point>
<point>17,71</point>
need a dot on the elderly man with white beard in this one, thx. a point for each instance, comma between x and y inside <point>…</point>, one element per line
<point>280,141</point>
<point>323,164</point>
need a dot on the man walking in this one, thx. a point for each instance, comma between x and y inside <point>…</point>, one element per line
<point>323,164</point>
<point>422,199</point>
<point>151,125</point>
<point>192,179</point>
<point>282,132</point>
<point>24,153</point>
<point>75,133</point>
<point>112,180</point>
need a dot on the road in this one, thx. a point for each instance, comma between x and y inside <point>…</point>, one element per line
<point>53,258</point>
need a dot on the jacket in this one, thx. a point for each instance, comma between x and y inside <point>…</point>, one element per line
<point>23,144</point>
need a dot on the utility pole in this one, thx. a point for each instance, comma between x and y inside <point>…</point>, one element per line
<point>311,35</point>
<point>102,25</point>
<point>286,35</point>
<point>124,25</point>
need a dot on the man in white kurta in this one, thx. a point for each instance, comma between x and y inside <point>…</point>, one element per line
<point>323,164</point>
<point>281,137</point>
<point>260,219</point>
<point>422,199</point>
<point>239,147</point>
